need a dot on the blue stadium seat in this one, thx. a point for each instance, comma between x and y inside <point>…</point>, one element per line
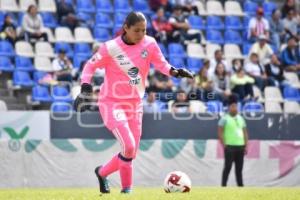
<point>196,22</point>
<point>246,48</point>
<point>119,19</point>
<point>85,6</point>
<point>163,49</point>
<point>20,18</point>
<point>176,81</point>
<point>1,18</point>
<point>232,37</point>
<point>291,93</point>
<point>253,107</point>
<point>58,106</point>
<point>233,22</point>
<point>142,6</point>
<point>269,7</point>
<point>177,62</point>
<point>6,64</point>
<point>65,46</point>
<point>6,48</point>
<point>104,21</point>
<point>87,18</point>
<point>214,36</point>
<point>77,60</point>
<point>61,93</point>
<point>176,50</point>
<point>250,8</point>
<point>49,20</point>
<point>162,106</point>
<point>40,93</point>
<point>104,6</point>
<point>214,106</point>
<point>22,78</point>
<point>24,64</point>
<point>82,49</point>
<point>194,64</point>
<point>101,34</point>
<point>214,22</point>
<point>122,6</point>
<point>38,75</point>
<point>246,22</point>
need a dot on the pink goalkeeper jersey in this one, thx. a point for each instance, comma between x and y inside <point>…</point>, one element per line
<point>126,67</point>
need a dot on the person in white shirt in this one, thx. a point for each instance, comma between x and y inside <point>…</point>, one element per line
<point>262,49</point>
<point>258,25</point>
<point>218,59</point>
<point>150,104</point>
<point>62,67</point>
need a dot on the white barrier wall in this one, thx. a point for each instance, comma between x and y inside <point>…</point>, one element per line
<point>71,163</point>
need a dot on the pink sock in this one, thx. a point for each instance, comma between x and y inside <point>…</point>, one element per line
<point>110,167</point>
<point>125,173</point>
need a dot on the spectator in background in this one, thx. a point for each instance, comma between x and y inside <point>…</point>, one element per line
<point>237,64</point>
<point>181,104</point>
<point>291,24</point>
<point>150,104</point>
<point>221,82</point>
<point>163,29</point>
<point>181,26</point>
<point>218,59</point>
<point>32,25</point>
<point>156,4</point>
<point>241,84</point>
<point>161,82</point>
<point>8,30</point>
<point>66,15</point>
<point>290,56</point>
<point>262,49</point>
<point>254,69</point>
<point>274,70</point>
<point>188,6</point>
<point>276,29</point>
<point>62,67</point>
<point>287,6</point>
<point>258,26</point>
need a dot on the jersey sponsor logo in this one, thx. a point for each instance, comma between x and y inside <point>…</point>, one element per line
<point>124,63</point>
<point>135,81</point>
<point>120,57</point>
<point>144,53</point>
<point>133,72</point>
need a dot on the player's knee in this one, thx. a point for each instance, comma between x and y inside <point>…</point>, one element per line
<point>130,151</point>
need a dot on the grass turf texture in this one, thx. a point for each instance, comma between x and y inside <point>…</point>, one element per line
<point>140,193</point>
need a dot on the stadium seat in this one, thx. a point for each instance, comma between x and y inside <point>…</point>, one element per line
<point>119,19</point>
<point>65,46</point>
<point>272,107</point>
<point>258,93</point>
<point>201,8</point>
<point>141,6</point>
<point>232,37</point>
<point>233,8</point>
<point>101,34</point>
<point>1,18</point>
<point>291,107</point>
<point>176,81</point>
<point>104,6</point>
<point>214,8</point>
<point>44,49</point>
<point>20,18</point>
<point>49,32</point>
<point>197,106</point>
<point>58,106</point>
<point>214,106</point>
<point>49,20</point>
<point>177,62</point>
<point>246,48</point>
<point>24,64</point>
<point>273,94</point>
<point>292,78</point>
<point>24,4</point>
<point>87,18</point>
<point>43,64</point>
<point>6,64</point>
<point>61,93</point>
<point>196,22</point>
<point>214,22</point>
<point>122,6</point>
<point>163,50</point>
<point>291,93</point>
<point>233,23</point>
<point>41,94</point>
<point>64,34</point>
<point>75,91</point>
<point>213,36</point>
<point>253,107</point>
<point>250,8</point>
<point>268,8</point>
<point>232,51</point>
<point>195,50</point>
<point>82,49</point>
<point>83,34</point>
<point>22,78</point>
<point>24,49</point>
<point>85,6</point>
<point>176,50</point>
<point>211,48</point>
<point>3,106</point>
<point>162,106</point>
<point>38,75</point>
<point>194,64</point>
<point>6,48</point>
<point>47,6</point>
<point>103,21</point>
<point>9,5</point>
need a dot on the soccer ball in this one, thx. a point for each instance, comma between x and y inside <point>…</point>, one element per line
<point>177,181</point>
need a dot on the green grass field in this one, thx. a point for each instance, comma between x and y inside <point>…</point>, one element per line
<point>197,193</point>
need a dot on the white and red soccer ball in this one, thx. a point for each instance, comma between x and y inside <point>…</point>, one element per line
<point>177,181</point>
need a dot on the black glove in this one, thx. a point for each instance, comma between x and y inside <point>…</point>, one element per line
<point>183,73</point>
<point>83,100</point>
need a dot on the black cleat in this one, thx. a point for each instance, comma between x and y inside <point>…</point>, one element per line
<point>103,182</point>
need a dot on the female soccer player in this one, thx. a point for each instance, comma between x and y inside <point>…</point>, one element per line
<point>126,60</point>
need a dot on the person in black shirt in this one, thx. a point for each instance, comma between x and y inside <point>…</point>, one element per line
<point>8,30</point>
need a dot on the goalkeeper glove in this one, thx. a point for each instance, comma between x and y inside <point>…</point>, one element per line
<point>82,101</point>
